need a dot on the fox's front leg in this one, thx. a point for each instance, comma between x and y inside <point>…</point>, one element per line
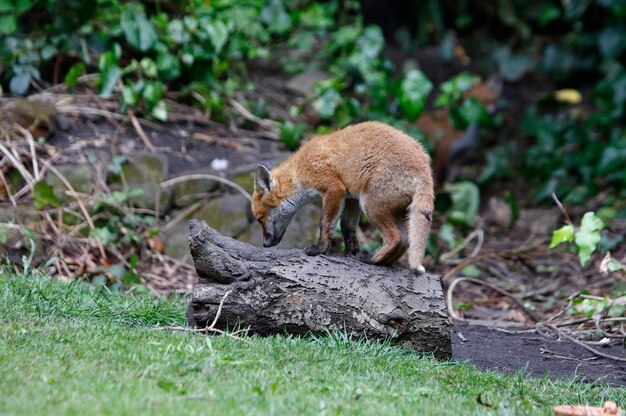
<point>349,222</point>
<point>332,202</point>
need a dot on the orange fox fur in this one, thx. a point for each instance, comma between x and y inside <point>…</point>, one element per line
<point>369,166</point>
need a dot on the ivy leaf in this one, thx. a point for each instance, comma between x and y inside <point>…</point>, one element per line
<point>474,112</point>
<point>371,42</point>
<point>290,134</point>
<point>148,67</point>
<point>7,6</point>
<point>453,89</point>
<point>615,266</point>
<point>611,42</point>
<point>19,83</point>
<point>153,92</point>
<point>617,308</point>
<point>103,234</point>
<point>547,14</point>
<point>588,236</point>
<point>513,66</point>
<point>44,196</point>
<point>138,30</point>
<point>159,111</point>
<point>8,24</point>
<point>218,33</point>
<point>446,233</point>
<point>108,80</point>
<point>326,104</point>
<point>471,271</point>
<point>465,198</point>
<point>612,160</point>
<point>130,96</point>
<point>168,66</point>
<point>73,74</point>
<point>275,17</point>
<point>564,234</point>
<point>414,90</point>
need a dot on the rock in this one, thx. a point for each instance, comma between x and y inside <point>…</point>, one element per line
<point>146,172</point>
<point>81,178</point>
<point>229,214</point>
<point>193,190</point>
<point>245,180</point>
<point>304,83</point>
<point>499,212</point>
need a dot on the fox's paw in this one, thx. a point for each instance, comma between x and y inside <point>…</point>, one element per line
<point>419,270</point>
<point>313,250</point>
<point>364,257</point>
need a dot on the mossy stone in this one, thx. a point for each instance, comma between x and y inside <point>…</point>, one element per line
<point>229,215</point>
<point>81,177</point>
<point>193,190</point>
<point>146,172</point>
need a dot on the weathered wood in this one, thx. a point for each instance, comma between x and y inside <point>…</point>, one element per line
<point>277,291</point>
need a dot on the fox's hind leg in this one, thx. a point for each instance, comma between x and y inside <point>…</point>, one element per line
<point>349,221</point>
<point>383,218</point>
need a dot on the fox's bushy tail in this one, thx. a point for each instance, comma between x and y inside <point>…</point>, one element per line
<point>419,222</point>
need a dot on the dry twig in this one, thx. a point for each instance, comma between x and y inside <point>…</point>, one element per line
<point>210,328</point>
<point>455,316</point>
<point>142,134</point>
<point>592,350</point>
<point>206,176</point>
<point>479,235</point>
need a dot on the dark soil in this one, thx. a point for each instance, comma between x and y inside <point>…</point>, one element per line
<point>535,355</point>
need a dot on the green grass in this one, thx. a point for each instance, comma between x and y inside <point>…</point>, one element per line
<point>76,349</point>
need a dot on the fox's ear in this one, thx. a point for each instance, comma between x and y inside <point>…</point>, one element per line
<point>263,180</point>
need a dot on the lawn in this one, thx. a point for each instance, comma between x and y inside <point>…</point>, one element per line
<point>77,349</point>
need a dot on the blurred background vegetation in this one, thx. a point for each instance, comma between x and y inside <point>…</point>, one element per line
<point>521,98</point>
<point>563,62</point>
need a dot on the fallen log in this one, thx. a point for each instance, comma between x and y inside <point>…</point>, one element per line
<point>274,291</point>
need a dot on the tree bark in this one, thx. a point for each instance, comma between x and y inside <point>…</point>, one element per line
<point>275,291</point>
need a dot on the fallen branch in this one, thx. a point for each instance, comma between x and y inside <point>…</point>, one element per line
<point>276,291</point>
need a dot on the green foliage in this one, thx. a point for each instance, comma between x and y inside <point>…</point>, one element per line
<point>465,198</point>
<point>591,306</point>
<point>414,91</point>
<point>138,30</point>
<point>587,236</point>
<point>44,196</point>
<point>460,213</point>
<point>578,150</point>
<point>564,234</point>
<point>291,133</point>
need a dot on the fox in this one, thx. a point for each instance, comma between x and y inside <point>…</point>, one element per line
<point>370,167</point>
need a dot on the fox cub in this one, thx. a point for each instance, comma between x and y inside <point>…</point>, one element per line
<point>369,166</point>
